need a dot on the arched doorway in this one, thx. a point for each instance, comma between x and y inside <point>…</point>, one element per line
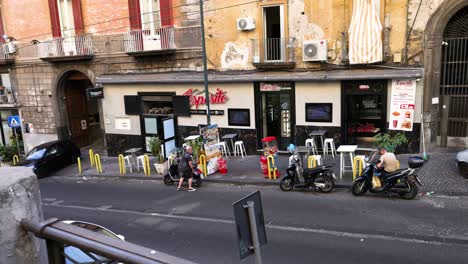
<point>80,115</point>
<point>453,107</point>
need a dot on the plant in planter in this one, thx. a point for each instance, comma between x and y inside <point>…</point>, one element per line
<point>197,147</point>
<point>154,145</point>
<point>390,141</point>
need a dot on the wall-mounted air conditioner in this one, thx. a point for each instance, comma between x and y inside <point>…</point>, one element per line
<point>152,42</point>
<point>314,50</point>
<point>245,24</point>
<point>69,46</point>
<point>10,48</point>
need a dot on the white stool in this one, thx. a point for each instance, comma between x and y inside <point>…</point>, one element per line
<point>311,142</point>
<point>318,158</point>
<point>224,148</point>
<point>140,159</point>
<point>239,149</point>
<point>331,143</point>
<point>128,160</point>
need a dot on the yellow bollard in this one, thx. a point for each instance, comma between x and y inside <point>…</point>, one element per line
<point>97,162</point>
<point>15,160</point>
<point>398,164</point>
<point>271,167</point>
<point>91,157</point>
<point>80,171</point>
<point>311,162</point>
<point>358,163</point>
<point>202,160</point>
<point>122,165</point>
<point>146,165</point>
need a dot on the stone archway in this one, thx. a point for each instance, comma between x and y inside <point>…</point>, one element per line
<point>433,37</point>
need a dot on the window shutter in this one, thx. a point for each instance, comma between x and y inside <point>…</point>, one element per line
<point>181,104</point>
<point>134,13</point>
<point>165,7</point>
<point>77,17</point>
<point>132,104</point>
<point>54,19</point>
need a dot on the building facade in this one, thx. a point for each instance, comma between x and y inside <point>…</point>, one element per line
<point>106,73</point>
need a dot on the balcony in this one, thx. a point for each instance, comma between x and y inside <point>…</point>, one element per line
<point>6,53</point>
<point>161,41</point>
<point>273,53</point>
<point>66,49</point>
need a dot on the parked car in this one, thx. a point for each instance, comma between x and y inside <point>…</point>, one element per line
<point>462,159</point>
<point>75,255</point>
<point>51,156</point>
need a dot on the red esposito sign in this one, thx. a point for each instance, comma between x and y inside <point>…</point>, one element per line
<point>197,97</point>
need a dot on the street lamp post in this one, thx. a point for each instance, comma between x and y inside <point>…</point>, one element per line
<point>205,66</point>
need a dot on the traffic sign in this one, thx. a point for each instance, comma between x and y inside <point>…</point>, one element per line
<point>14,121</point>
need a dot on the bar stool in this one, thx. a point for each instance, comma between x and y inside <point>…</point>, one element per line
<point>224,148</point>
<point>140,159</point>
<point>311,142</point>
<point>128,161</point>
<point>239,149</point>
<point>331,143</point>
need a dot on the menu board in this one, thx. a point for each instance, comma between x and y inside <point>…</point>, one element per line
<point>402,105</point>
<point>210,137</point>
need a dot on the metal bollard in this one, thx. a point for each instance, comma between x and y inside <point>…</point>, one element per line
<point>146,165</point>
<point>202,160</point>
<point>271,167</point>
<point>398,164</point>
<point>97,162</point>
<point>358,162</point>
<point>80,171</point>
<point>311,162</point>
<point>122,165</point>
<point>91,157</point>
<point>15,160</point>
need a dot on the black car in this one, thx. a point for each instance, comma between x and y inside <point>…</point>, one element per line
<point>51,156</point>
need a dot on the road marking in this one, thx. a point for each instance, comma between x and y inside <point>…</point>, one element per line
<point>428,240</point>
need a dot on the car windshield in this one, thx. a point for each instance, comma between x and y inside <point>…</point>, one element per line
<point>36,153</point>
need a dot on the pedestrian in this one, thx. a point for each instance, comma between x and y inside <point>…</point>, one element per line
<point>186,169</point>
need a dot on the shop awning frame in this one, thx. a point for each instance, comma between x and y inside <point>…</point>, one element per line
<point>249,77</point>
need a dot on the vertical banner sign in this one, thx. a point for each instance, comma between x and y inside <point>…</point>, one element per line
<point>402,105</point>
<point>210,136</point>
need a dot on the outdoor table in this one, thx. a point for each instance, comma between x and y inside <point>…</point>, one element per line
<point>133,152</point>
<point>230,137</point>
<point>318,133</point>
<point>343,149</point>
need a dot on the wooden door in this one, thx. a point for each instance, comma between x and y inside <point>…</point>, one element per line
<point>77,107</point>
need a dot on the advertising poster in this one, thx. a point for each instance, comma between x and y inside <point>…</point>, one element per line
<point>402,105</point>
<point>210,137</point>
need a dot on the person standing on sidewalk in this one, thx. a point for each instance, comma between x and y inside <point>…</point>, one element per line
<point>186,169</point>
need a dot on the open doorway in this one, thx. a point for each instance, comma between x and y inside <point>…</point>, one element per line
<point>273,29</point>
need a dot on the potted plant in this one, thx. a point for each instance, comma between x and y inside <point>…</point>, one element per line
<point>390,142</point>
<point>6,154</point>
<point>197,147</point>
<point>160,164</point>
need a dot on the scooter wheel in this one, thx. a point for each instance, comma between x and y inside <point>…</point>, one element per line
<point>359,188</point>
<point>413,191</point>
<point>329,184</point>
<point>286,184</point>
<point>197,182</point>
<point>168,180</point>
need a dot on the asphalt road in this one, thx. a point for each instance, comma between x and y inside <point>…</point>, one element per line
<point>302,227</point>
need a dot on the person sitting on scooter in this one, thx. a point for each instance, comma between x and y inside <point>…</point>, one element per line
<point>388,162</point>
<point>186,169</point>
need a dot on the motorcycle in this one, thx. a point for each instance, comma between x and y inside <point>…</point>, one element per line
<point>403,182</point>
<point>321,177</point>
<point>172,175</point>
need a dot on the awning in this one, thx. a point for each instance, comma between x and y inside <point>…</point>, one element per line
<point>365,33</point>
<point>250,77</point>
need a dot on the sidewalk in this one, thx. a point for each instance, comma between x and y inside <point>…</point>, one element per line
<point>439,175</point>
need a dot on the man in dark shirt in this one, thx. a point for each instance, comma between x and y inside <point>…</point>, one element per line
<point>186,169</point>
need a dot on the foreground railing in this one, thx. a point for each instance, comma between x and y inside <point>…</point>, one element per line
<point>66,47</point>
<point>58,234</point>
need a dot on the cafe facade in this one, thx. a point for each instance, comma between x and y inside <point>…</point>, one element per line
<point>352,106</point>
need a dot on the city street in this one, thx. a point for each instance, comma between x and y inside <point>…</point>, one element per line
<point>302,227</point>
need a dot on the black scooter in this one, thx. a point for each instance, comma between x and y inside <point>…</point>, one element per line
<point>320,178</point>
<point>172,175</point>
<point>401,182</point>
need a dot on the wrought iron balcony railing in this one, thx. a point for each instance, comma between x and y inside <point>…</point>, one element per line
<point>69,48</point>
<point>273,52</point>
<point>6,53</point>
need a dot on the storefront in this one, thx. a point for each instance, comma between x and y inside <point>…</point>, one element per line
<point>6,133</point>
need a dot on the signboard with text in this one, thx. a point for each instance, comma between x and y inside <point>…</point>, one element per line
<point>402,105</point>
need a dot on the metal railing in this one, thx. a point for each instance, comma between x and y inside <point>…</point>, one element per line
<point>58,235</point>
<point>65,47</point>
<point>162,39</point>
<point>6,51</point>
<point>273,50</point>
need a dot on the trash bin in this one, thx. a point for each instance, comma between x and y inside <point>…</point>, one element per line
<point>222,166</point>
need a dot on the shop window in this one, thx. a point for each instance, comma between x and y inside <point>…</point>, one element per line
<point>6,133</point>
<point>319,112</point>
<point>239,117</point>
<point>157,105</point>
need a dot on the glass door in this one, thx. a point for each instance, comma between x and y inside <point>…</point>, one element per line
<point>276,109</point>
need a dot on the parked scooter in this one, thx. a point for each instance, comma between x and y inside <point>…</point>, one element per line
<point>320,178</point>
<point>172,175</point>
<point>402,182</point>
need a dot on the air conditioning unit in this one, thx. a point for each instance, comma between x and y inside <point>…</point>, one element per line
<point>10,48</point>
<point>152,42</point>
<point>314,50</point>
<point>245,24</point>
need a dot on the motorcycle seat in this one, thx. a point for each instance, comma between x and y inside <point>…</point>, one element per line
<point>397,172</point>
<point>313,170</point>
